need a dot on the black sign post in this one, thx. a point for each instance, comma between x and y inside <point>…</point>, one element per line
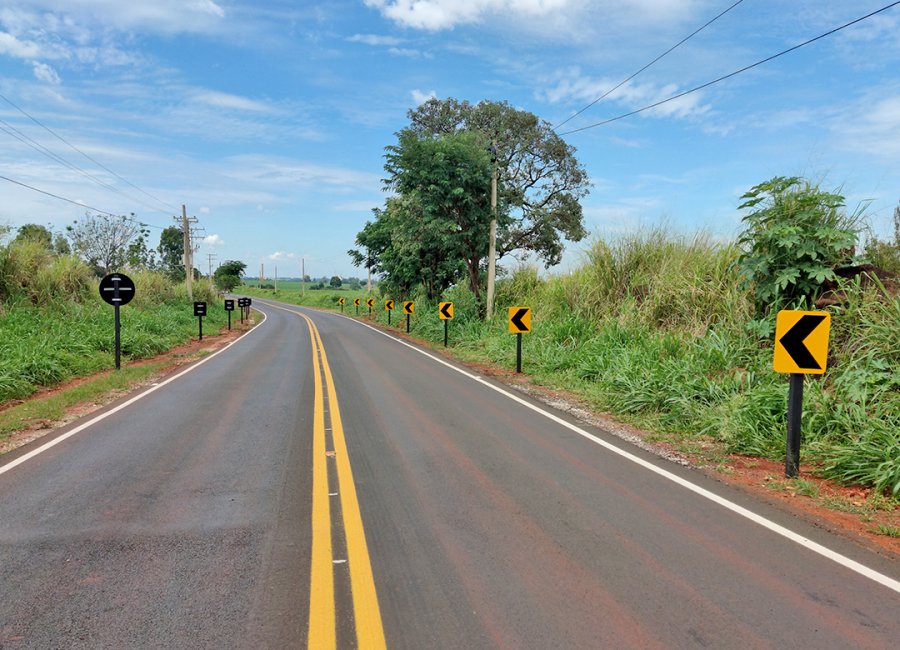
<point>200,312</point>
<point>117,289</point>
<point>229,307</point>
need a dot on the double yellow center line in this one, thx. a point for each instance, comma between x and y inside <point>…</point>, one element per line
<point>322,608</point>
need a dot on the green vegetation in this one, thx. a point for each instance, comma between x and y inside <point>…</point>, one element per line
<point>436,230</point>
<point>54,326</point>
<point>36,412</point>
<point>796,236</point>
<point>654,328</point>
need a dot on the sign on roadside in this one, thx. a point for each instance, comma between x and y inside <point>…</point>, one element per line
<point>801,348</point>
<point>117,289</point>
<point>801,342</point>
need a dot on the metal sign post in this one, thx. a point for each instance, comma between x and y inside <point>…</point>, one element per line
<point>356,304</point>
<point>117,289</point>
<point>229,307</point>
<point>445,313</point>
<point>200,312</point>
<point>801,348</point>
<point>408,308</point>
<point>519,323</point>
<point>389,306</point>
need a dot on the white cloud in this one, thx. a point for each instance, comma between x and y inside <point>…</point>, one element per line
<point>44,72</point>
<point>374,39</point>
<point>213,240</point>
<point>572,87</point>
<point>19,49</point>
<point>434,15</point>
<point>167,16</point>
<point>278,256</point>
<point>229,101</point>
<point>409,53</point>
<point>420,97</point>
<point>871,127</point>
<point>278,172</point>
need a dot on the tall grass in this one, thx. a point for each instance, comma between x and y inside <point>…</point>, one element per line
<point>54,326</point>
<point>654,328</point>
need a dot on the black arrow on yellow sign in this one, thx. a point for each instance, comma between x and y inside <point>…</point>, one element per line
<point>793,341</point>
<point>408,307</point>
<point>520,320</point>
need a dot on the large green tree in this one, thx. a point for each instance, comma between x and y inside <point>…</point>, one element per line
<point>171,253</point>
<point>228,275</point>
<point>440,219</point>
<point>409,250</point>
<point>540,180</point>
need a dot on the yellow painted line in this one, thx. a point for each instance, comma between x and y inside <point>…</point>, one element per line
<point>321,576</point>
<point>366,612</point>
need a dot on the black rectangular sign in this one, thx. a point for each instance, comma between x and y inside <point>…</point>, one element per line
<point>229,305</point>
<point>199,309</point>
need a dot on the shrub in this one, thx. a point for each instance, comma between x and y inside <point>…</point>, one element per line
<point>796,236</point>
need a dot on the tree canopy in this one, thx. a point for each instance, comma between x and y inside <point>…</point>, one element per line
<point>434,230</point>
<point>102,241</point>
<point>228,275</point>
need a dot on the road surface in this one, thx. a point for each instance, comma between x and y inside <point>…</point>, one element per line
<point>320,484</point>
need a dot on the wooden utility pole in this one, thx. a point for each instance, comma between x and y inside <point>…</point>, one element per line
<point>276,278</point>
<point>302,276</point>
<point>492,247</point>
<point>188,252</point>
<point>211,257</point>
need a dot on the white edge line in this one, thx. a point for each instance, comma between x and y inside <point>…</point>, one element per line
<point>81,427</point>
<point>815,547</point>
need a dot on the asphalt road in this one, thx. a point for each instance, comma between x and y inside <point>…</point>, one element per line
<point>221,511</point>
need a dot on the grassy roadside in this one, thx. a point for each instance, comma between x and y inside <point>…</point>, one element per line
<point>655,331</point>
<point>52,408</point>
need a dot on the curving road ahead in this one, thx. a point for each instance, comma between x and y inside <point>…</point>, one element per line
<point>321,484</point>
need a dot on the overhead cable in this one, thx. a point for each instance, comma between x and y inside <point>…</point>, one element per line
<point>732,74</point>
<point>625,81</point>
<point>78,203</point>
<point>168,208</point>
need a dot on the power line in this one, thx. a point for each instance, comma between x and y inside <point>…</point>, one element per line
<point>732,74</point>
<point>99,164</point>
<point>78,203</point>
<point>625,81</point>
<point>37,146</point>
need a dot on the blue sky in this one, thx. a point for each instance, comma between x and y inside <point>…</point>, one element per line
<point>269,119</point>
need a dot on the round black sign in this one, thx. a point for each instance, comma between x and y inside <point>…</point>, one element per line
<point>117,289</point>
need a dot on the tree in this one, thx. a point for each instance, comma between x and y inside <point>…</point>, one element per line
<point>36,233</point>
<point>795,236</point>
<point>540,180</point>
<point>171,253</point>
<point>138,255</point>
<point>228,275</point>
<point>102,241</point>
<point>335,282</point>
<point>443,217</point>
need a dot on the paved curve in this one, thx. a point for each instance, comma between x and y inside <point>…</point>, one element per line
<point>179,522</point>
<point>184,521</point>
